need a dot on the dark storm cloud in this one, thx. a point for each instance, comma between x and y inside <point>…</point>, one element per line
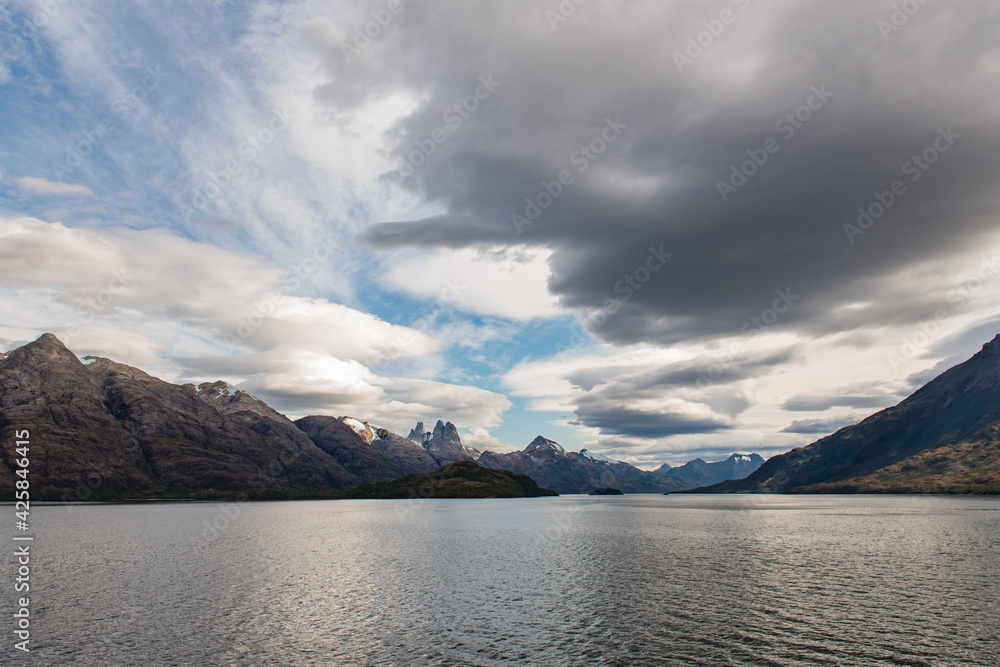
<point>623,421</point>
<point>689,398</point>
<point>863,395</point>
<point>689,373</point>
<point>876,103</point>
<point>817,426</point>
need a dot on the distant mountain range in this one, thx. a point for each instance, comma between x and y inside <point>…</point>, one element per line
<point>104,430</point>
<point>945,438</point>
<point>546,462</point>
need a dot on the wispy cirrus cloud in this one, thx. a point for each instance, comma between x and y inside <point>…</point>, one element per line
<point>43,186</point>
<point>258,138</point>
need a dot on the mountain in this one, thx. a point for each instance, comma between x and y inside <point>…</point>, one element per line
<point>413,457</point>
<point>418,434</point>
<point>698,473</point>
<point>347,441</point>
<point>463,479</point>
<point>444,443</point>
<point>943,438</point>
<point>106,430</point>
<point>103,430</point>
<point>553,467</point>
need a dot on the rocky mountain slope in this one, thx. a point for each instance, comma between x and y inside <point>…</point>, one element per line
<point>943,438</point>
<point>443,443</point>
<point>348,447</point>
<point>699,473</point>
<point>104,430</point>
<point>405,452</point>
<point>553,467</point>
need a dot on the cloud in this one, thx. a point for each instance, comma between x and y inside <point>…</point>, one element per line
<point>658,182</point>
<point>481,439</point>
<point>508,283</point>
<point>876,394</point>
<point>818,426</point>
<point>644,392</point>
<point>189,311</point>
<point>764,305</point>
<point>43,186</point>
<point>670,417</point>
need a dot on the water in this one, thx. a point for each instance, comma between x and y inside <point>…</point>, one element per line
<point>633,580</point>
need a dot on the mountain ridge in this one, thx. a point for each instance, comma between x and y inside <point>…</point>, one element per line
<point>945,437</point>
<point>106,430</point>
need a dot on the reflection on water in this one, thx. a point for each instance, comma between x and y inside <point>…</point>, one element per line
<point>633,580</point>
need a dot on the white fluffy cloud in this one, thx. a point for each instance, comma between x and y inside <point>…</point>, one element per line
<point>192,311</point>
<point>508,283</point>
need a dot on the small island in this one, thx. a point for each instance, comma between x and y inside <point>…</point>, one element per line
<point>607,492</point>
<point>464,479</point>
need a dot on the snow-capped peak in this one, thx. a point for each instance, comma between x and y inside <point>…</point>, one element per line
<point>543,444</point>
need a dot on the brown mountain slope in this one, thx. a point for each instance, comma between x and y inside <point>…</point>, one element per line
<point>413,457</point>
<point>77,446</point>
<point>106,430</point>
<point>350,449</point>
<point>945,437</point>
<point>965,467</point>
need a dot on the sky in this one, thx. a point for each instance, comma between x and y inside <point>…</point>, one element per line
<point>657,229</point>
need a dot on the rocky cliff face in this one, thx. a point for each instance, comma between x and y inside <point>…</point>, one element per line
<point>445,445</point>
<point>418,434</point>
<point>76,441</point>
<point>349,449</point>
<point>413,457</point>
<point>945,437</point>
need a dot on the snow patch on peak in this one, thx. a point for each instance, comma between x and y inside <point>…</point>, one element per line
<point>214,390</point>
<point>541,443</point>
<point>358,427</point>
<point>594,456</point>
<point>366,432</point>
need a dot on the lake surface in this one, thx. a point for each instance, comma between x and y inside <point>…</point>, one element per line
<point>575,580</point>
